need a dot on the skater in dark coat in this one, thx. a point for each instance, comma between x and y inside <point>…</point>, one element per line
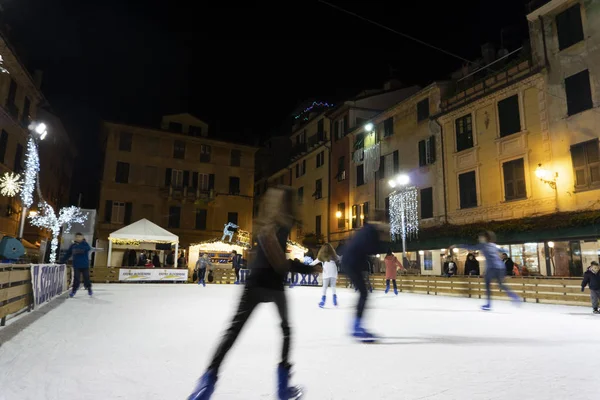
<point>236,261</point>
<point>264,285</point>
<point>80,251</point>
<point>356,257</point>
<point>592,277</point>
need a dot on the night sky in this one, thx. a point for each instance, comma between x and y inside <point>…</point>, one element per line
<point>242,69</point>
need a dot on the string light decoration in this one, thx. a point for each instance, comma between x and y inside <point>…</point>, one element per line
<point>46,218</point>
<point>10,184</point>
<point>314,104</point>
<point>32,168</point>
<point>2,69</point>
<point>404,214</point>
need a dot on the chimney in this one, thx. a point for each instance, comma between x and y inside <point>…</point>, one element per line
<point>392,84</point>
<point>38,76</point>
<point>488,52</point>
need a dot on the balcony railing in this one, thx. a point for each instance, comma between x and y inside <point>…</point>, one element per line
<point>299,150</point>
<point>317,139</point>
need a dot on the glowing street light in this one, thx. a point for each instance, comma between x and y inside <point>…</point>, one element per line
<point>338,214</point>
<point>369,127</point>
<point>403,179</point>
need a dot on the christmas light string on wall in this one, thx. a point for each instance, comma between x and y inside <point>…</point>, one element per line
<point>10,184</point>
<point>2,69</point>
<point>404,214</point>
<point>314,104</point>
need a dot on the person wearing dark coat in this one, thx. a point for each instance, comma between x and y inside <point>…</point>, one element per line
<point>236,264</point>
<point>131,258</point>
<point>171,259</point>
<point>471,265</point>
<point>450,268</point>
<point>591,277</point>
<point>80,251</point>
<point>156,260</point>
<point>142,260</point>
<point>509,264</point>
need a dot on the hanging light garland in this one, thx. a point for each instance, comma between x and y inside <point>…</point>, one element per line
<point>32,168</point>
<point>404,212</point>
<point>46,218</point>
<point>313,105</point>
<point>10,184</point>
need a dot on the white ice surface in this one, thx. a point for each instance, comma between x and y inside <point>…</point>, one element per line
<point>151,342</point>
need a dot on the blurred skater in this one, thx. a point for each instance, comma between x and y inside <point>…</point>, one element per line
<point>328,257</point>
<point>592,277</point>
<point>495,269</point>
<point>264,285</point>
<point>201,265</point>
<point>356,258</point>
<point>80,251</point>
<point>391,271</point>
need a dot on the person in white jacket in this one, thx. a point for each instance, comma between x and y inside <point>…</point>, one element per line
<point>328,257</point>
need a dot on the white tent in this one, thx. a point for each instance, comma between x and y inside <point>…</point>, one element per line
<point>142,231</point>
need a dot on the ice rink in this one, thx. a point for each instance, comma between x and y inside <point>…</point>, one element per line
<point>151,342</point>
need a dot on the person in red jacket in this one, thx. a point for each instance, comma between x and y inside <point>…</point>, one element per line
<point>391,271</point>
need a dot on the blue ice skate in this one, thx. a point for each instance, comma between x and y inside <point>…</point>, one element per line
<point>335,303</point>
<point>486,307</point>
<point>284,391</point>
<point>72,294</point>
<point>396,291</point>
<point>203,283</point>
<point>90,291</point>
<point>322,302</point>
<point>205,387</point>
<point>387,287</point>
<point>361,333</point>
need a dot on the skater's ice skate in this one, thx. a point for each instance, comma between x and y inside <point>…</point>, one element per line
<point>322,302</point>
<point>72,294</point>
<point>596,311</point>
<point>362,334</point>
<point>335,303</point>
<point>205,387</point>
<point>90,291</point>
<point>387,287</point>
<point>284,391</point>
<point>486,307</point>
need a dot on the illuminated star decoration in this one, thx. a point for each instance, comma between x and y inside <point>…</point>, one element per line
<point>404,213</point>
<point>10,184</point>
<point>46,218</point>
<point>32,168</point>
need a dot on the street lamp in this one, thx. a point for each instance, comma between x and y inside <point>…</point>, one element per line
<point>369,127</point>
<point>338,214</point>
<point>550,179</point>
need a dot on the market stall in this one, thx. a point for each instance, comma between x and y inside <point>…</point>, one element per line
<point>219,251</point>
<point>143,235</point>
<point>295,250</point>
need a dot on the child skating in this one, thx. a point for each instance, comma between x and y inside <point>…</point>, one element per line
<point>328,257</point>
<point>591,277</point>
<point>392,265</point>
<point>264,285</point>
<point>495,269</point>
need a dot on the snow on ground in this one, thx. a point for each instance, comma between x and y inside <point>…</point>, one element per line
<point>151,342</point>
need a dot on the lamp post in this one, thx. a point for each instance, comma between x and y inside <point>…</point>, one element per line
<point>37,131</point>
<point>548,178</point>
<point>405,202</point>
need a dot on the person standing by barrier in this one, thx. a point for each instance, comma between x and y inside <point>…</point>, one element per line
<point>328,257</point>
<point>236,264</point>
<point>80,251</point>
<point>495,269</point>
<point>391,271</point>
<point>265,284</point>
<point>354,262</point>
<point>201,265</point>
<point>592,277</point>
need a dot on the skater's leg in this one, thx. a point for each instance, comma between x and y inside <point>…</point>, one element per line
<point>325,285</point>
<point>281,304</point>
<point>76,279</point>
<point>86,278</point>
<point>595,295</point>
<point>387,285</point>
<point>357,278</point>
<point>488,281</point>
<point>395,286</point>
<point>248,302</point>
<point>332,283</point>
<point>499,276</point>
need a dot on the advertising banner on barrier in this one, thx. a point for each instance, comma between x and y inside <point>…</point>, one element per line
<point>156,274</point>
<point>297,279</point>
<point>47,281</point>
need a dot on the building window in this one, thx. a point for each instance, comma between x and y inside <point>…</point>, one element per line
<point>381,171</point>
<point>236,158</point>
<point>586,164</point>
<point>340,127</point>
<point>464,132</point>
<point>25,118</point>
<point>427,151</point>
<point>122,175</point>
<point>365,212</point>
<point>174,217</point>
<point>359,143</point>
<point>318,226</point>
<point>320,159</point>
<point>320,126</point>
<point>3,145</point>
<point>427,260</point>
<point>175,127</point>
<point>388,127</point>
<point>569,27</point>
<point>341,170</point>
<point>426,203</point>
<point>201,219</point>
<point>396,161</point>
<point>152,146</point>
<point>360,175</point>
<point>509,116</point>
<point>18,166</point>
<point>355,216</point>
<point>174,178</point>
<point>468,190</point>
<point>195,131</point>
<point>179,149</point>
<point>579,93</point>
<point>318,189</point>
<point>151,175</point>
<point>514,180</point>
<point>387,209</point>
<point>118,213</point>
<point>300,169</point>
<point>203,182</point>
<point>205,151</point>
<point>341,221</point>
<point>125,141</point>
<point>423,110</point>
<point>301,195</point>
<point>234,185</point>
<point>346,126</point>
<point>232,217</point>
<point>12,95</point>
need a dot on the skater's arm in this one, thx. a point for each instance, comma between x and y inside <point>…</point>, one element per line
<point>585,282</point>
<point>315,262</point>
<point>301,268</point>
<point>67,255</point>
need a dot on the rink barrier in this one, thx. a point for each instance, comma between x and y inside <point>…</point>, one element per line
<point>16,292</point>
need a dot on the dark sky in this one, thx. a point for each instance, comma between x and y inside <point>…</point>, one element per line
<point>243,69</point>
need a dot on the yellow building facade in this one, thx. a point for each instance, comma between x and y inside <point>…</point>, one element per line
<point>177,178</point>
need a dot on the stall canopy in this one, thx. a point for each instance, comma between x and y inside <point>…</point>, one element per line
<point>142,231</point>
